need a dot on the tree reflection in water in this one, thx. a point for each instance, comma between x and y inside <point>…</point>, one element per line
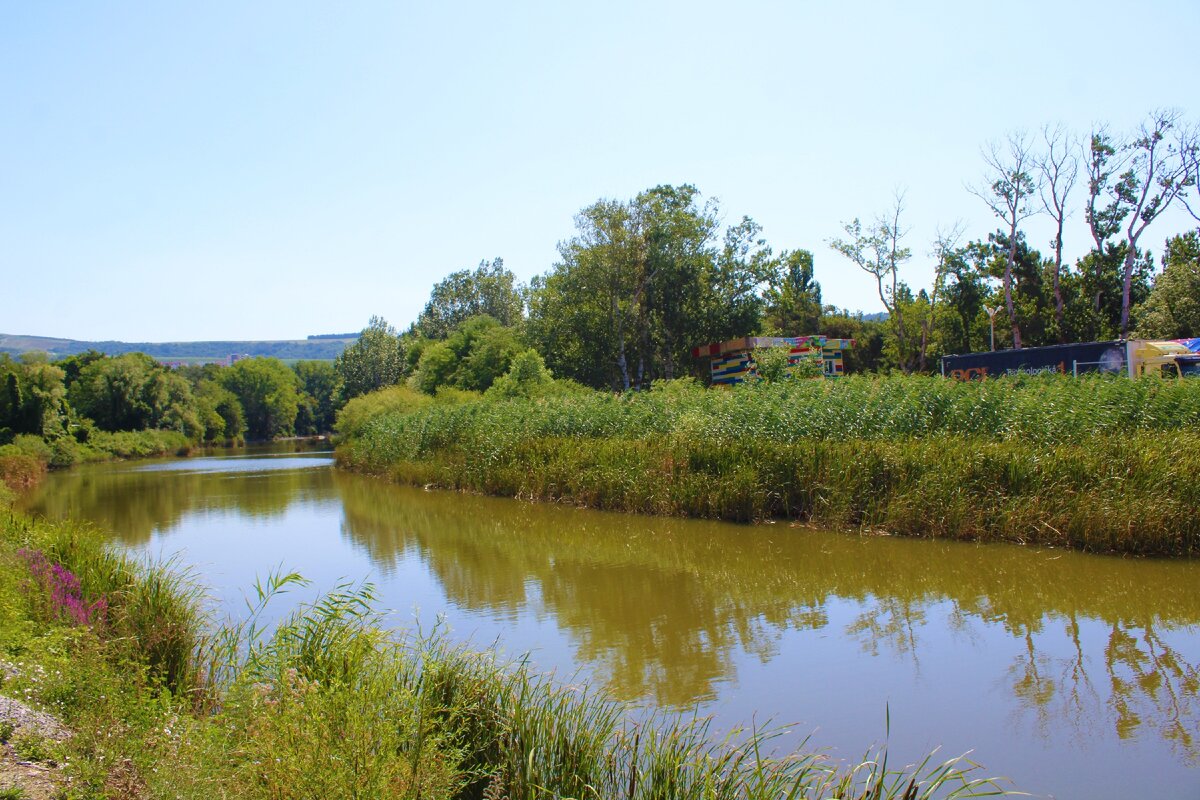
<point>665,607</point>
<point>665,604</point>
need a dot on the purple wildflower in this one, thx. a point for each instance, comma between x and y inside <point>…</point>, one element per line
<point>58,591</point>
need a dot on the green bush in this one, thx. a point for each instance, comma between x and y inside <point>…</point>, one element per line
<point>362,409</point>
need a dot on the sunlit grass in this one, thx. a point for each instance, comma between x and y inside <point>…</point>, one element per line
<point>328,703</point>
<point>1105,464</point>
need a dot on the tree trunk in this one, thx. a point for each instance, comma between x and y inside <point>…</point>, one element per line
<point>1126,286</point>
<point>1008,280</point>
<point>1058,300</point>
<point>622,364</point>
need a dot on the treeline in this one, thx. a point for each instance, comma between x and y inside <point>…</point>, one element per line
<point>95,406</point>
<point>324,347</point>
<point>644,280</point>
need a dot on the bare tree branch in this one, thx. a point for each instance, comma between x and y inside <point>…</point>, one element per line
<point>1011,181</point>
<point>877,250</point>
<point>1059,169</point>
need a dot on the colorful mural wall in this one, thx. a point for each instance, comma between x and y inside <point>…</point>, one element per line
<point>733,361</point>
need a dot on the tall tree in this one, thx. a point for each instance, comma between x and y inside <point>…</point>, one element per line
<point>878,251</point>
<point>490,289</point>
<point>640,284</point>
<point>1136,180</point>
<point>319,382</point>
<point>793,297</point>
<point>376,359</point>
<point>944,254</point>
<point>1011,183</point>
<point>965,290</point>
<point>1059,169</point>
<point>1159,172</point>
<point>1173,308</point>
<point>269,393</point>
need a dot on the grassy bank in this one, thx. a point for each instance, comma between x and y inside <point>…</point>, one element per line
<point>100,446</point>
<point>328,704</point>
<point>1108,465</point>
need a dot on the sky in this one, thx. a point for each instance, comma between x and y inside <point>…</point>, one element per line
<point>228,170</point>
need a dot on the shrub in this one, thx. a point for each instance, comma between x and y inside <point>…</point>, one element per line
<point>393,400</point>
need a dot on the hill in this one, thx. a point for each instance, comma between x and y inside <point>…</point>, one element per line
<point>321,347</point>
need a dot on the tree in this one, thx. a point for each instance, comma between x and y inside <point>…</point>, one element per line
<point>1011,183</point>
<point>525,378</point>
<point>490,289</point>
<point>220,412</point>
<point>793,298</point>
<point>319,384</point>
<point>475,354</point>
<point>1059,169</point>
<point>132,392</point>
<point>1173,308</point>
<point>965,290</point>
<point>640,284</point>
<point>878,252</point>
<point>1137,180</point>
<point>376,359</point>
<point>268,392</point>
<point>945,255</point>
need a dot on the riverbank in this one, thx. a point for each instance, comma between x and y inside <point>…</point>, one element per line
<point>1103,465</point>
<point>100,446</point>
<point>162,701</point>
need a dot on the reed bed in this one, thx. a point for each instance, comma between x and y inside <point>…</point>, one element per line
<point>1102,464</point>
<point>329,703</point>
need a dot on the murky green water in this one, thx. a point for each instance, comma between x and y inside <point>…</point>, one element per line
<point>1074,675</point>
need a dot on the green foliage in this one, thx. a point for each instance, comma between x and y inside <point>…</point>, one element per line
<point>793,298</point>
<point>488,291</point>
<point>374,361</point>
<point>643,282</point>
<point>319,384</point>
<point>269,394</point>
<point>470,358</point>
<point>527,377</point>
<point>1172,310</point>
<point>220,412</point>
<point>134,392</point>
<point>30,446</point>
<point>354,416</point>
<point>327,704</point>
<point>1025,459</point>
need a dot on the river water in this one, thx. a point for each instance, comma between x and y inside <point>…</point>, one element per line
<point>1072,675</point>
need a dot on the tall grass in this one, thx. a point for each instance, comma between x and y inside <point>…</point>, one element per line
<point>328,703</point>
<point>153,610</point>
<point>1105,464</point>
<point>329,706</point>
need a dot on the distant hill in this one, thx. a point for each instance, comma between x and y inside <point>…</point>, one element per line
<point>321,347</point>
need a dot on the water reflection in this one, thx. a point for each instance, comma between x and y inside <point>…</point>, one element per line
<point>134,500</point>
<point>670,610</point>
<point>664,604</point>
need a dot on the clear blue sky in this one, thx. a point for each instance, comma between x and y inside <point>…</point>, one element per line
<point>224,170</point>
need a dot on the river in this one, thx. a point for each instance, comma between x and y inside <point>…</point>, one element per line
<point>1072,675</point>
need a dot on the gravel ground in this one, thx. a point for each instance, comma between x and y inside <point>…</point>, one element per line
<point>36,781</point>
<point>31,722</point>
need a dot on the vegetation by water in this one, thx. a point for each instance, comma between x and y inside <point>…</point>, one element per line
<point>163,702</point>
<point>1100,464</point>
